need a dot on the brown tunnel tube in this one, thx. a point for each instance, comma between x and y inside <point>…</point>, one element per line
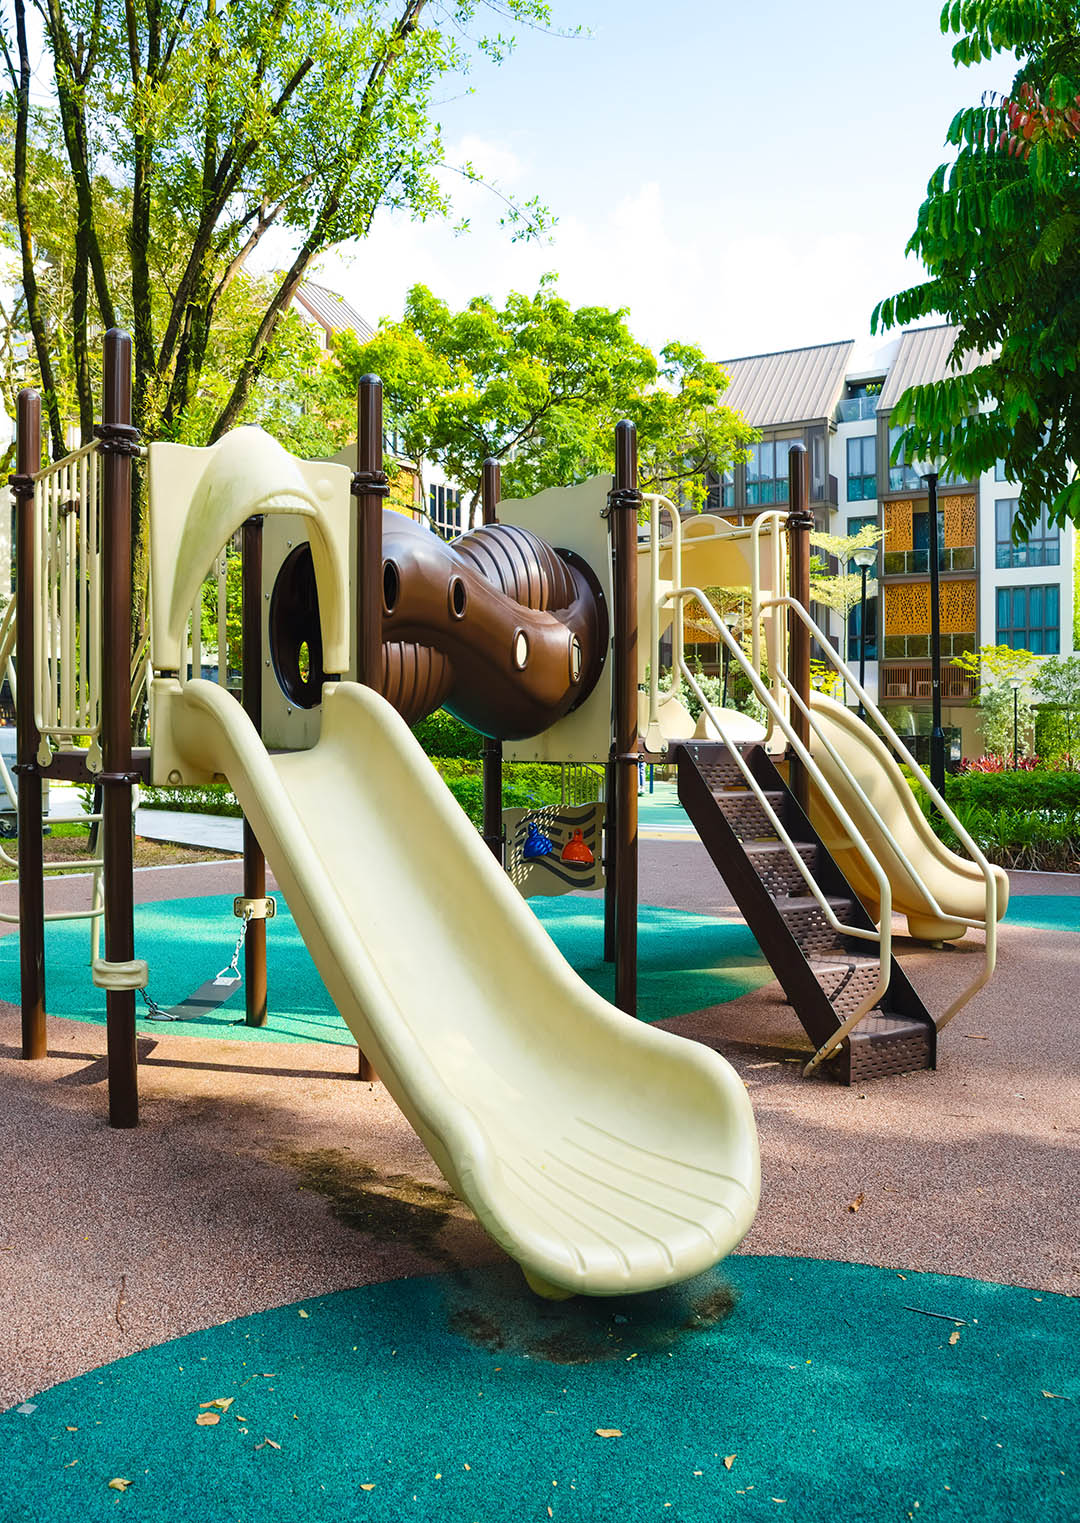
<point>497,627</point>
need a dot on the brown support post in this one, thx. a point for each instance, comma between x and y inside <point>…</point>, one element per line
<point>254,861</point>
<point>625,501</point>
<point>31,848</point>
<point>800,522</point>
<point>119,444</point>
<point>491,751</point>
<point>611,855</point>
<point>369,488</point>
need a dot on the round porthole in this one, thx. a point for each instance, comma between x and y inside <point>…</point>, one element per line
<point>457,598</point>
<point>391,586</point>
<point>295,634</point>
<point>575,659</point>
<point>521,650</point>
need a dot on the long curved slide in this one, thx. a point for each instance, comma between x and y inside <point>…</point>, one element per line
<point>602,1154</point>
<point>954,881</point>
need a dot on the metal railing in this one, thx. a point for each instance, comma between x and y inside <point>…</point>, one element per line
<point>582,784</point>
<point>777,698</point>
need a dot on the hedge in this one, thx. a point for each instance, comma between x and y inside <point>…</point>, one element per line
<point>441,734</point>
<point>1056,791</point>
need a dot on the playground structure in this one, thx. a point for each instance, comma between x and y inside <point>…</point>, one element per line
<point>489,1043</point>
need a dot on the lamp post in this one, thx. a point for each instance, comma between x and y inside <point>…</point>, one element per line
<point>929,473</point>
<point>1016,685</point>
<point>731,623</point>
<point>864,558</point>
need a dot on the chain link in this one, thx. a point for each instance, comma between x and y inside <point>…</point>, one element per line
<point>230,974</point>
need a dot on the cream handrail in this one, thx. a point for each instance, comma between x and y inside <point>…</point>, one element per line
<point>883,935</point>
<point>889,734</point>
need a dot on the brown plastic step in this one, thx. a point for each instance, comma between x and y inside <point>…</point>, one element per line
<point>745,815</point>
<point>773,864</point>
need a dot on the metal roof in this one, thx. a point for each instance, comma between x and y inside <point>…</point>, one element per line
<point>332,311</point>
<point>791,386</point>
<point>924,355</point>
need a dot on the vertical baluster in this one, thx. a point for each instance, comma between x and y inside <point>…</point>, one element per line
<point>83,594</point>
<point>69,718</point>
<point>222,617</point>
<point>196,637</point>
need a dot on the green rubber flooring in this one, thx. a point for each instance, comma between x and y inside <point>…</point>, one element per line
<point>770,1388</point>
<point>686,962</point>
<point>1045,912</point>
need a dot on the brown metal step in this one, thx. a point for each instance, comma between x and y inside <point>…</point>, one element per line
<point>773,864</point>
<point>719,768</point>
<point>806,921</point>
<point>845,982</point>
<point>746,816</point>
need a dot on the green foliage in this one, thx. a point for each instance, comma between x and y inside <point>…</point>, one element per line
<point>525,785</point>
<point>1018,838</point>
<point>539,385</point>
<point>214,798</point>
<point>1042,789</point>
<point>1058,684</point>
<point>441,734</point>
<point>999,233</point>
<point>996,668</point>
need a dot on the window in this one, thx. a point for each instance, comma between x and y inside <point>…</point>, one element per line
<point>767,472</point>
<point>855,630</point>
<point>999,471</point>
<point>862,469</point>
<point>721,493</point>
<point>1040,547</point>
<point>1028,618</point>
<point>444,507</point>
<point>902,478</point>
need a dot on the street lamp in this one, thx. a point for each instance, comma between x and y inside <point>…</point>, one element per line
<point>864,558</point>
<point>1016,684</point>
<point>928,470</point>
<point>731,622</point>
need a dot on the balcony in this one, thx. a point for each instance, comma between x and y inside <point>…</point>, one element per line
<point>857,409</point>
<point>913,680</point>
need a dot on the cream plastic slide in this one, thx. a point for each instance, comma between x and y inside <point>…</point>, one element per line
<point>956,883</point>
<point>602,1154</point>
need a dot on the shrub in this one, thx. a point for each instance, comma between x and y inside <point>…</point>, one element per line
<point>215,798</point>
<point>441,734</point>
<point>1043,791</point>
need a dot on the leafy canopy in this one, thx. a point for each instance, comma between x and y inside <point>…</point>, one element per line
<point>999,233</point>
<point>539,385</point>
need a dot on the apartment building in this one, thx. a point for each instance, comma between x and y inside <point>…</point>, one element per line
<point>992,590</point>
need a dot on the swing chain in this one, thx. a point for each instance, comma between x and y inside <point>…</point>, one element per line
<point>230,973</point>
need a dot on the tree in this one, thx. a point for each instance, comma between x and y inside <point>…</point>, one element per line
<point>186,132</point>
<point>999,233</point>
<point>539,386</point>
<point>842,592</point>
<point>1058,684</point>
<point>996,668</point>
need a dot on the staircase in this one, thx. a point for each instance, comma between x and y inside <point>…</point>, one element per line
<point>825,976</point>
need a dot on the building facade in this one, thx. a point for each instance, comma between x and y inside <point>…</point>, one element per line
<point>993,592</point>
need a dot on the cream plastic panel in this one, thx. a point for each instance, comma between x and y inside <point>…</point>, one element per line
<point>601,1153</point>
<point>570,518</point>
<point>955,882</point>
<point>200,497</point>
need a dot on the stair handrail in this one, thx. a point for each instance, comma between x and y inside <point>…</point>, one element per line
<point>989,924</point>
<point>881,934</point>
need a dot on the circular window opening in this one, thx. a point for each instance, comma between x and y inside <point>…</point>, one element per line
<point>295,633</point>
<point>575,659</point>
<point>457,598</point>
<point>521,650</point>
<point>391,586</point>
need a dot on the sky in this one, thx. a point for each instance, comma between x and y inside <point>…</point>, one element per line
<point>743,177</point>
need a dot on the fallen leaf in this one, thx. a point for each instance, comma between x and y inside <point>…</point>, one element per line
<point>729,1460</point>
<point>118,1483</point>
<point>1056,1396</point>
<point>302,1314</point>
<point>223,1403</point>
<point>954,1336</point>
<point>71,1430</point>
<point>857,1202</point>
<point>208,1419</point>
<point>975,1036</point>
<point>778,1499</point>
<point>629,1357</point>
<point>609,1433</point>
<point>550,1513</point>
<point>70,1463</point>
<point>367,1485</point>
<point>466,1467</point>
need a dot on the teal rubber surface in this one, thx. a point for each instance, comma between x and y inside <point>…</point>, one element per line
<point>463,1399</point>
<point>686,962</point>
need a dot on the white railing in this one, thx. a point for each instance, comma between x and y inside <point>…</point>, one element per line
<point>883,935</point>
<point>67,615</point>
<point>989,922</point>
<point>217,577</point>
<point>779,698</point>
